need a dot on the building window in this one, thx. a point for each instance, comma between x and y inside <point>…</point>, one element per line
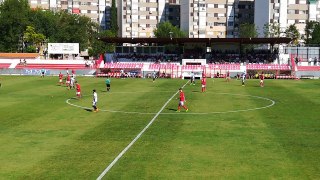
<point>241,6</point>
<point>291,11</point>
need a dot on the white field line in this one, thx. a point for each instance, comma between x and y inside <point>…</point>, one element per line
<point>190,113</point>
<point>137,137</point>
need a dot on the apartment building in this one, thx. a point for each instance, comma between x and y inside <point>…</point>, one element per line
<point>97,10</point>
<point>138,18</point>
<point>286,13</point>
<point>215,18</point>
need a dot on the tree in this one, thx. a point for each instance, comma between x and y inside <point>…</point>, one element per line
<point>293,33</point>
<point>13,22</point>
<point>167,30</point>
<point>33,38</point>
<point>113,21</point>
<point>310,26</point>
<point>315,35</point>
<point>271,30</point>
<point>72,28</point>
<point>55,27</point>
<point>45,22</point>
<point>248,30</point>
<point>99,47</point>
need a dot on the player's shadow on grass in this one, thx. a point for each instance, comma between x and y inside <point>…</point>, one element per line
<point>171,109</point>
<point>195,91</point>
<point>87,109</point>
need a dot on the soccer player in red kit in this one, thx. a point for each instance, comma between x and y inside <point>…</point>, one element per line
<point>261,79</point>
<point>182,100</point>
<point>68,80</point>
<point>203,84</point>
<point>78,88</point>
<point>60,78</point>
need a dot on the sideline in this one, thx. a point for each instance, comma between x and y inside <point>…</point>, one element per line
<point>137,137</point>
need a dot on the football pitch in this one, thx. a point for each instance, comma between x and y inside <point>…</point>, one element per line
<point>229,132</point>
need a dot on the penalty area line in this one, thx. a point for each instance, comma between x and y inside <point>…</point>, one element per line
<point>137,137</point>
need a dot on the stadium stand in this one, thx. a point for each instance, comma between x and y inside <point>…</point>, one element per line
<point>157,66</point>
<point>308,68</point>
<point>130,65</point>
<point>4,65</point>
<point>225,66</point>
<point>267,67</point>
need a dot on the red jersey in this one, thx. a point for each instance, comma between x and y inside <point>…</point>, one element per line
<point>68,78</point>
<point>182,97</point>
<point>78,87</point>
<point>203,81</point>
<point>228,74</point>
<point>261,76</point>
<point>60,76</point>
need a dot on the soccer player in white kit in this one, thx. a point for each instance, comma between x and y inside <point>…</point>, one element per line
<point>94,101</point>
<point>243,78</point>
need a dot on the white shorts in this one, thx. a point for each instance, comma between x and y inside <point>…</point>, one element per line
<point>261,81</point>
<point>67,82</point>
<point>203,85</point>
<point>94,103</point>
<point>181,103</point>
<point>60,80</point>
<point>78,93</point>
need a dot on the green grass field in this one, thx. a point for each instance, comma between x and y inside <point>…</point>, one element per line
<point>230,132</point>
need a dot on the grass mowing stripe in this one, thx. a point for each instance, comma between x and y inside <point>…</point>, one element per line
<point>136,138</point>
<point>70,143</point>
<point>303,145</point>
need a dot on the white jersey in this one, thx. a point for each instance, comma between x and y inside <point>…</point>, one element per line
<point>243,76</point>
<point>95,97</point>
